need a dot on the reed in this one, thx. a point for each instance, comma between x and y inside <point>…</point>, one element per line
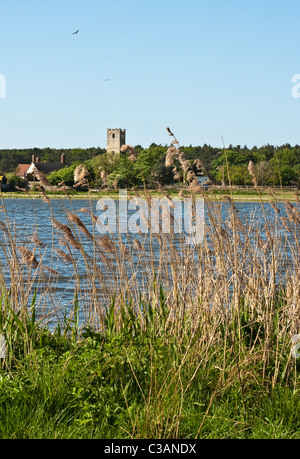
<point>216,317</point>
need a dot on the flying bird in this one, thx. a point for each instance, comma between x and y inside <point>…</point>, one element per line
<point>105,79</point>
<point>75,33</point>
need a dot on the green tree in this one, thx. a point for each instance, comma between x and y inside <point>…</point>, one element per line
<point>107,162</point>
<point>286,157</point>
<point>124,174</point>
<point>233,158</point>
<point>239,175</point>
<point>16,181</point>
<point>66,175</point>
<point>285,176</point>
<point>161,174</point>
<point>147,161</point>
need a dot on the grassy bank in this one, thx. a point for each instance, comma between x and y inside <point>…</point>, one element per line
<point>163,339</point>
<point>150,380</point>
<point>213,194</point>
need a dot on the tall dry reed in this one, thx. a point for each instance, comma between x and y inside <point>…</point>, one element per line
<point>241,280</point>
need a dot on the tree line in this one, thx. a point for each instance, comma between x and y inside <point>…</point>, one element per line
<point>273,165</point>
<point>11,158</point>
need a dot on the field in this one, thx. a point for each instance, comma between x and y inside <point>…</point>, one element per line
<point>163,339</point>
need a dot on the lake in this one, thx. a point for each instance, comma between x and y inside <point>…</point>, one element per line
<point>96,273</point>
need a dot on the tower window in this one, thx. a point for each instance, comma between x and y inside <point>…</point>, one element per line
<point>113,136</point>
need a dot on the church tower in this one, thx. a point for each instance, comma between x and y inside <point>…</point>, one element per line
<point>116,138</point>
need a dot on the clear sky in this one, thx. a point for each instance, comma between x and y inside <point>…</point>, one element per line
<point>205,68</point>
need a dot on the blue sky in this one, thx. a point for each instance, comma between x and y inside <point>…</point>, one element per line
<point>206,68</point>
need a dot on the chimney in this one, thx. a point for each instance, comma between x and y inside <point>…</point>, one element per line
<point>33,158</point>
<point>63,159</point>
<point>37,160</point>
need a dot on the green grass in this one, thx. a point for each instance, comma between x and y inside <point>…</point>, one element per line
<point>252,195</point>
<point>130,381</point>
<point>214,194</point>
<point>208,355</point>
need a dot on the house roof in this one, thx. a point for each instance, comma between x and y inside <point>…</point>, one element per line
<point>22,170</point>
<point>46,168</point>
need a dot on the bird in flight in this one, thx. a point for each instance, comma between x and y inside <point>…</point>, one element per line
<point>75,33</point>
<point>105,79</point>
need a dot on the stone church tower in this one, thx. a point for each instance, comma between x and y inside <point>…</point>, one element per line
<point>116,138</point>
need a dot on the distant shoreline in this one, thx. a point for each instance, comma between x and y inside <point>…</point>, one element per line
<point>237,196</point>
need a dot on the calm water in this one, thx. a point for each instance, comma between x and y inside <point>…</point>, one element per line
<point>33,216</point>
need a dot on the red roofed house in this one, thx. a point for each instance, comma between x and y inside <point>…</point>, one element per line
<point>22,170</point>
